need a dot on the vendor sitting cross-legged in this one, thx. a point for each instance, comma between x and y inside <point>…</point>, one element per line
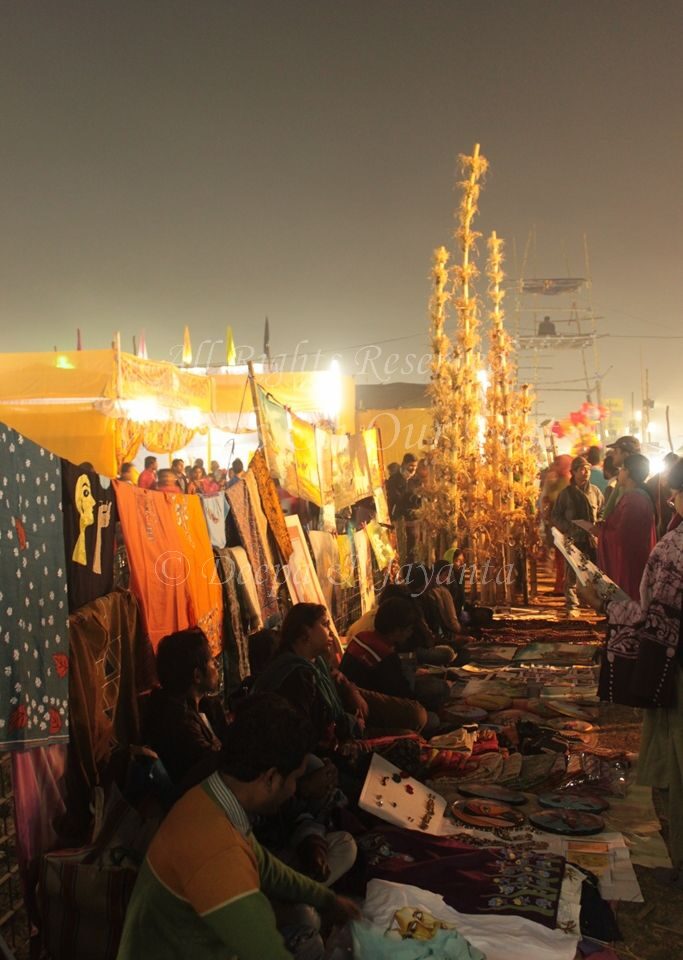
<point>204,888</point>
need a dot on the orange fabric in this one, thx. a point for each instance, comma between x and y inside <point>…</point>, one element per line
<point>203,582</point>
<point>171,562</point>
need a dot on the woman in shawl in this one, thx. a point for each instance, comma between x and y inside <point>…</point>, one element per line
<point>299,673</point>
<point>627,536</point>
<point>655,623</point>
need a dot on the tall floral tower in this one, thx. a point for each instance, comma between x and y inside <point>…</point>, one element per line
<point>455,507</point>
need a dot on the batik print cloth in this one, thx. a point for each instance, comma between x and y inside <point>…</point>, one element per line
<point>90,519</point>
<point>107,640</point>
<point>235,623</point>
<point>271,504</point>
<point>249,534</point>
<point>34,645</point>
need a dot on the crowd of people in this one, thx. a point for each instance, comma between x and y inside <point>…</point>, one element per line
<point>181,479</point>
<point>612,509</point>
<point>269,784</point>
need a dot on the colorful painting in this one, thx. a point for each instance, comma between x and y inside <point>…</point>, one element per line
<point>277,441</point>
<point>306,460</point>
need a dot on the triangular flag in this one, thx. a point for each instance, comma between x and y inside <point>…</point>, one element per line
<point>266,339</point>
<point>142,346</point>
<point>230,352</point>
<point>187,346</point>
<point>79,345</point>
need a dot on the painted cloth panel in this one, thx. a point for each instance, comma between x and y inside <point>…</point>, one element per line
<point>34,642</point>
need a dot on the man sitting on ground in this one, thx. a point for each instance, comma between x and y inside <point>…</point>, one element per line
<point>204,888</point>
<point>371,660</point>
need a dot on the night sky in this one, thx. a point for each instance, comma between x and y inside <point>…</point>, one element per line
<point>212,163</point>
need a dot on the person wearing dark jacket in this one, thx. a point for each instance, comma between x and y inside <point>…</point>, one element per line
<point>371,660</point>
<point>185,722</point>
<point>581,500</point>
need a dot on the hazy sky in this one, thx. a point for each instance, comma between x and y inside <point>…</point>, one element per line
<point>208,163</point>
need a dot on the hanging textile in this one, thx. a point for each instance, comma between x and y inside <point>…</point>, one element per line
<point>260,517</point>
<point>206,601</point>
<point>361,472</point>
<point>90,519</point>
<point>346,577</point>
<point>277,440</point>
<point>365,575</point>
<point>106,642</point>
<point>271,504</point>
<point>326,556</point>
<point>235,623</point>
<point>127,440</point>
<point>215,509</point>
<point>373,451</point>
<point>38,785</point>
<point>249,534</point>
<point>169,554</point>
<point>302,579</point>
<point>246,586</point>
<point>381,543</point>
<point>342,472</point>
<point>306,460</point>
<point>34,643</point>
<point>324,451</point>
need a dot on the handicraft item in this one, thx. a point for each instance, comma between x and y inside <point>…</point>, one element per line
<point>573,801</point>
<point>570,822</point>
<point>486,814</point>
<point>492,791</point>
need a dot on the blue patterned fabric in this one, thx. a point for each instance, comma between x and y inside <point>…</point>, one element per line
<point>34,639</point>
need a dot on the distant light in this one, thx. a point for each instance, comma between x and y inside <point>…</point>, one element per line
<point>63,363</point>
<point>484,379</point>
<point>329,392</point>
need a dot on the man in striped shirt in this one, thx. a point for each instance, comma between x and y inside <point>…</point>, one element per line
<point>206,886</point>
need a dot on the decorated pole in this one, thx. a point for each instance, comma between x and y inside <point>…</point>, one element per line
<point>470,519</point>
<point>498,446</point>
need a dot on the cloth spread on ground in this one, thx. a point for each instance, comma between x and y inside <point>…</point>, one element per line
<point>205,885</point>
<point>89,534</point>
<point>106,641</point>
<point>271,504</point>
<point>371,943</point>
<point>34,644</point>
<point>498,937</point>
<point>497,880</point>
<point>215,510</point>
<point>247,527</point>
<point>171,562</point>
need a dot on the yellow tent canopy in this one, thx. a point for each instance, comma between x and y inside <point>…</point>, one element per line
<point>102,405</point>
